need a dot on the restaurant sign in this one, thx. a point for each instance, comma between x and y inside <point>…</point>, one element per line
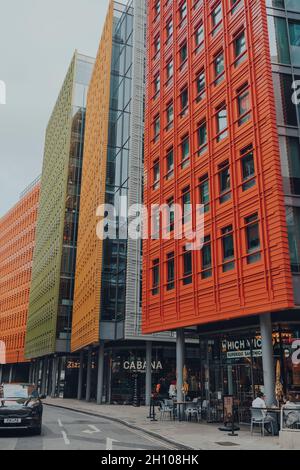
<point>140,366</point>
<point>241,348</point>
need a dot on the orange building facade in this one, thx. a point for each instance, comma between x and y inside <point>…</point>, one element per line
<point>17,238</point>
<point>211,138</point>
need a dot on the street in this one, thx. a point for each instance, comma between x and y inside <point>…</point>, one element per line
<point>69,430</point>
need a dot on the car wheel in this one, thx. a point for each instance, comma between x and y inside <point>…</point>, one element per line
<point>37,431</point>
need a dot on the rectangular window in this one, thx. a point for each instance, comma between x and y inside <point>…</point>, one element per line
<point>170,271</point>
<point>170,164</point>
<point>228,248</point>
<point>156,175</point>
<point>221,118</point>
<point>186,205</point>
<point>200,86</point>
<point>206,258</point>
<point>155,277</point>
<point>187,267</point>
<point>156,128</point>
<point>171,221</point>
<point>157,8</point>
<point>204,192</point>
<point>252,238</point>
<point>170,115</point>
<point>202,138</point>
<point>170,69</point>
<point>157,45</point>
<point>182,11</point>
<point>217,17</point>
<point>169,29</point>
<point>156,84</point>
<point>224,181</point>
<point>183,53</point>
<point>293,225</point>
<point>219,67</point>
<point>290,156</point>
<point>243,105</point>
<point>240,48</point>
<point>184,101</point>
<point>199,36</point>
<point>185,152</point>
<point>248,168</point>
<point>294,33</point>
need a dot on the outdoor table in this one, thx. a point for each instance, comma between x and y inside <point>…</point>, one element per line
<point>180,407</point>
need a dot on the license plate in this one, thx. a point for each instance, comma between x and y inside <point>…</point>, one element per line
<point>12,421</point>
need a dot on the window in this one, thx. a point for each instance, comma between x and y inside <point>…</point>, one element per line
<point>290,156</point>
<point>239,48</point>
<point>248,168</point>
<point>219,68</point>
<point>235,4</point>
<point>206,258</point>
<point>228,248</point>
<point>294,32</point>
<point>169,69</point>
<point>170,271</point>
<point>187,267</point>
<point>157,8</point>
<point>279,40</point>
<point>204,192</point>
<point>186,205</point>
<point>157,84</point>
<point>225,183</point>
<point>216,16</point>
<point>286,109</point>
<point>252,238</point>
<point>221,118</point>
<point>155,277</point>
<point>156,174</point>
<point>293,225</point>
<point>170,164</point>
<point>170,115</point>
<point>200,85</point>
<point>171,214</point>
<point>243,105</point>
<point>184,101</point>
<point>156,128</point>
<point>183,53</point>
<point>199,36</point>
<point>182,11</point>
<point>185,151</point>
<point>169,29</point>
<point>157,45</point>
<point>202,138</point>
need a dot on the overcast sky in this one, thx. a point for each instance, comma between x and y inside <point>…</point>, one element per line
<point>37,41</point>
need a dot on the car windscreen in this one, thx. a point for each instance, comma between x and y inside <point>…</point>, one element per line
<point>14,391</point>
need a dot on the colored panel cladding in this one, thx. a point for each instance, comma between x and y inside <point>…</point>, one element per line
<point>214,73</point>
<point>51,293</point>
<point>86,310</point>
<point>17,237</point>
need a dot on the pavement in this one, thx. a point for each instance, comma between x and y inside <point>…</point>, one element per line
<point>178,435</point>
<point>71,430</point>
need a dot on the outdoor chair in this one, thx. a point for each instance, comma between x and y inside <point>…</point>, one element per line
<point>166,409</point>
<point>193,411</point>
<point>260,418</point>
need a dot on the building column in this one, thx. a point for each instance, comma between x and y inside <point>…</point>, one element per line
<point>148,372</point>
<point>267,358</point>
<point>89,375</point>
<point>230,380</point>
<point>179,362</point>
<point>44,375</point>
<point>80,376</point>
<point>54,375</point>
<point>1,367</point>
<point>11,371</point>
<point>30,373</point>
<point>100,373</point>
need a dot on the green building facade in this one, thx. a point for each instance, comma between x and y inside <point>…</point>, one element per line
<point>52,286</point>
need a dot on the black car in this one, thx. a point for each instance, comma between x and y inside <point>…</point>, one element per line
<point>20,408</point>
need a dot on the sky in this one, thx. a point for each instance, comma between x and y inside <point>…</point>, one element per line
<point>37,42</point>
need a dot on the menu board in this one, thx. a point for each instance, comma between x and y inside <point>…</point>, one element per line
<point>228,408</point>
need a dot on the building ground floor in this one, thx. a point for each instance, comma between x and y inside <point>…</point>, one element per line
<point>208,362</point>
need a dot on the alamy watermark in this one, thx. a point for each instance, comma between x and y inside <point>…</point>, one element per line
<point>159,222</point>
<point>2,92</point>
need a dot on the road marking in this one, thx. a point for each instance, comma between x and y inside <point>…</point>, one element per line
<point>60,424</point>
<point>65,438</point>
<point>93,429</point>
